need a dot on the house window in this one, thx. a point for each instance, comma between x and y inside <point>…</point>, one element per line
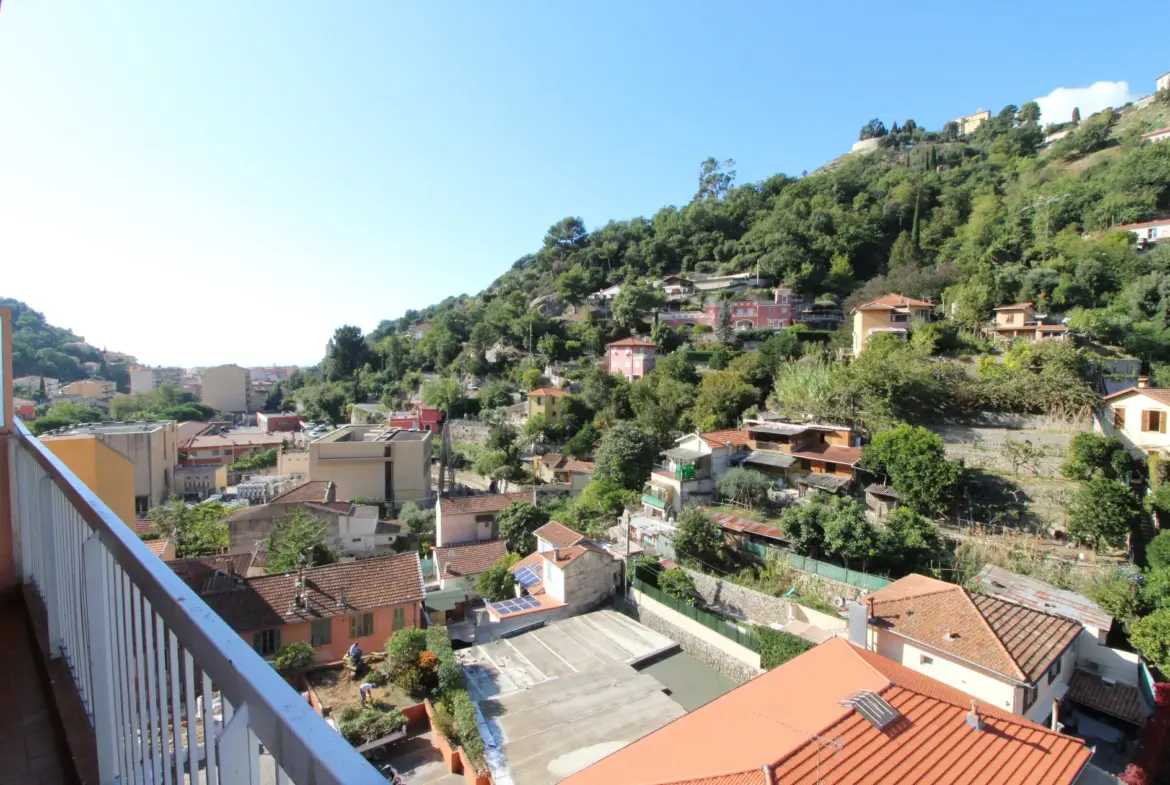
<point>321,633</point>
<point>1153,421</point>
<point>1029,697</point>
<point>1009,318</point>
<point>924,659</point>
<point>1119,419</point>
<point>399,619</point>
<point>266,642</point>
<point>361,625</point>
<point>1054,671</point>
<point>899,318</point>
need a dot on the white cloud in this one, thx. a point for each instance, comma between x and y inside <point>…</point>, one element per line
<point>1057,106</point>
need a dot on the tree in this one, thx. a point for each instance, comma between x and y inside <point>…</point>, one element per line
<point>517,524</point>
<point>1118,594</point>
<point>494,395</point>
<point>778,647</point>
<point>916,464</point>
<point>1151,636</point>
<point>1029,113</point>
<point>573,285</point>
<point>872,130</point>
<point>634,304</point>
<point>848,533</point>
<point>566,234</point>
<point>582,443</point>
<point>746,486</point>
<point>676,583</point>
<point>418,521</point>
<point>1093,454</point>
<point>803,525</point>
<point>1022,453</point>
<point>404,653</point>
<point>195,531</point>
<point>715,178</point>
<point>347,353</point>
<point>294,657</point>
<point>299,540</point>
<point>626,455</point>
<point>1158,551</point>
<point>697,534</point>
<point>531,378</point>
<point>1076,115</point>
<point>909,542</point>
<point>1102,512</point>
<point>446,395</point>
<point>723,329</point>
<point>722,398</point>
<point>496,583</point>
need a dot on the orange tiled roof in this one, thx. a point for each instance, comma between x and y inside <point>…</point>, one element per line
<point>738,438</point>
<point>562,557</point>
<point>268,601</point>
<point>552,391</point>
<point>312,491</point>
<point>1009,639</point>
<point>894,301</point>
<point>158,547</point>
<point>1159,394</point>
<point>791,720</point>
<point>552,460</point>
<point>632,342</point>
<point>470,559</point>
<point>558,535</point>
<point>584,467</point>
<point>485,502</point>
<point>1142,225</point>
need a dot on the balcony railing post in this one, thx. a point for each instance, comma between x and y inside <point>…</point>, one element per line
<point>47,521</point>
<point>97,608</point>
<point>238,749</point>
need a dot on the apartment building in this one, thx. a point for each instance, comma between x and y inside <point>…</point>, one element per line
<point>893,313</point>
<point>151,446</point>
<point>30,386</point>
<point>225,447</point>
<point>144,379</point>
<point>91,389</point>
<point>104,470</point>
<point>225,388</point>
<point>689,470</point>
<point>372,462</point>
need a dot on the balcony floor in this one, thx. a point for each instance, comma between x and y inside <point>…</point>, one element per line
<point>32,748</point>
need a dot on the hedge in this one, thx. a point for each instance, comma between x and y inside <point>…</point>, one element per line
<point>778,647</point>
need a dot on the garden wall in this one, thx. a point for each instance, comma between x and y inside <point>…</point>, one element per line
<point>740,601</point>
<point>453,757</point>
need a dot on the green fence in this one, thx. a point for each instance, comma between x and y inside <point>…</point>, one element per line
<point>824,569</point>
<point>709,620</point>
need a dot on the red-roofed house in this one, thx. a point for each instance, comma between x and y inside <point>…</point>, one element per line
<point>1019,321</point>
<point>459,566</point>
<point>813,457</point>
<point>464,519</point>
<point>567,571</point>
<point>24,408</point>
<point>1147,232</point>
<point>840,714</point>
<point>546,401</point>
<point>1137,416</point>
<point>893,313</point>
<point>689,470</point>
<point>633,358</point>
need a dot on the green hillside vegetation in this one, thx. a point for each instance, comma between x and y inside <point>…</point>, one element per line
<point>40,349</point>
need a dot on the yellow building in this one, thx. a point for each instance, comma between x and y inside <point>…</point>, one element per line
<point>225,388</point>
<point>370,462</point>
<point>545,400</point>
<point>95,389</point>
<point>893,313</point>
<point>971,122</point>
<point>104,470</point>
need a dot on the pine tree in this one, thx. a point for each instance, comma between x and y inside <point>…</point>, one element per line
<point>1076,118</point>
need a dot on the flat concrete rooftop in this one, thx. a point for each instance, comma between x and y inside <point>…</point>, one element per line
<point>556,699</point>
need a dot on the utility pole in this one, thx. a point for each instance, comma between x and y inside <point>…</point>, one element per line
<point>1046,204</point>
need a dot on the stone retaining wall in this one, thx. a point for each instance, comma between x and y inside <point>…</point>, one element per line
<point>740,601</point>
<point>731,667</point>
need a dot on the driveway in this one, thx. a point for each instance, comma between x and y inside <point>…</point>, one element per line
<point>419,763</point>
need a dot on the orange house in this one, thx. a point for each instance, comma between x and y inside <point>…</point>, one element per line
<point>328,607</point>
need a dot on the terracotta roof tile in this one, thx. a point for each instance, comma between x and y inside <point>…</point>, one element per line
<point>562,557</point>
<point>319,491</point>
<point>738,438</point>
<point>792,720</point>
<point>1009,639</point>
<point>485,502</point>
<point>1013,307</point>
<point>894,301</point>
<point>633,342</point>
<point>553,460</point>
<point>1159,394</point>
<point>1142,225</point>
<point>558,535</point>
<point>1118,700</point>
<point>738,523</point>
<point>848,456</point>
<point>158,547</point>
<point>581,467</point>
<point>268,601</point>
<point>470,559</point>
<point>553,392</point>
<point>143,526</point>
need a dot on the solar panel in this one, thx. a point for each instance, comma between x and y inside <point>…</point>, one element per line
<point>527,578</point>
<point>873,707</point>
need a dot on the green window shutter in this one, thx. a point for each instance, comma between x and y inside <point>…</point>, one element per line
<point>399,618</point>
<point>353,627</point>
<point>257,642</point>
<point>275,641</point>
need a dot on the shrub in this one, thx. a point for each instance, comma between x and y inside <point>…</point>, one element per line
<point>746,486</point>
<point>360,726</point>
<point>496,582</point>
<point>294,657</point>
<point>466,727</point>
<point>677,584</point>
<point>1158,551</point>
<point>778,647</point>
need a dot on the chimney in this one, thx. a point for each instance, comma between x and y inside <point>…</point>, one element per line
<point>859,625</point>
<point>1143,382</point>
<point>769,775</point>
<point>974,718</point>
<point>1055,713</point>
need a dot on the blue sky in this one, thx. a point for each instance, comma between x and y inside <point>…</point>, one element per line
<point>225,181</point>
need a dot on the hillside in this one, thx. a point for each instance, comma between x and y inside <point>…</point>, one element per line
<point>42,349</point>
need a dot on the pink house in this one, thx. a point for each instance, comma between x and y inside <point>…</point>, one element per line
<point>773,314</point>
<point>633,358</point>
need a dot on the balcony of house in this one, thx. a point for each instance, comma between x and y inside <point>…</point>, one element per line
<point>117,672</point>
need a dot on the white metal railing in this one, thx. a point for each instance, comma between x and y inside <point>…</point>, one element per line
<point>173,693</point>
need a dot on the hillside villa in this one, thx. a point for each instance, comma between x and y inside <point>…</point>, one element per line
<point>632,358</point>
<point>1020,322</point>
<point>545,401</point>
<point>893,313</point>
<point>1147,232</point>
<point>1137,417</point>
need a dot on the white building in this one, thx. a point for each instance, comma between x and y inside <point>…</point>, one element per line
<point>1158,135</point>
<point>1009,655</point>
<point>146,379</point>
<point>1137,417</point>
<point>1163,82</point>
<point>458,567</point>
<point>1148,231</point>
<point>465,519</point>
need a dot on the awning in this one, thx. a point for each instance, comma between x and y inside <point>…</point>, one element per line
<point>681,455</point>
<point>777,460</point>
<point>829,482</point>
<point>445,600</point>
<point>1116,699</point>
